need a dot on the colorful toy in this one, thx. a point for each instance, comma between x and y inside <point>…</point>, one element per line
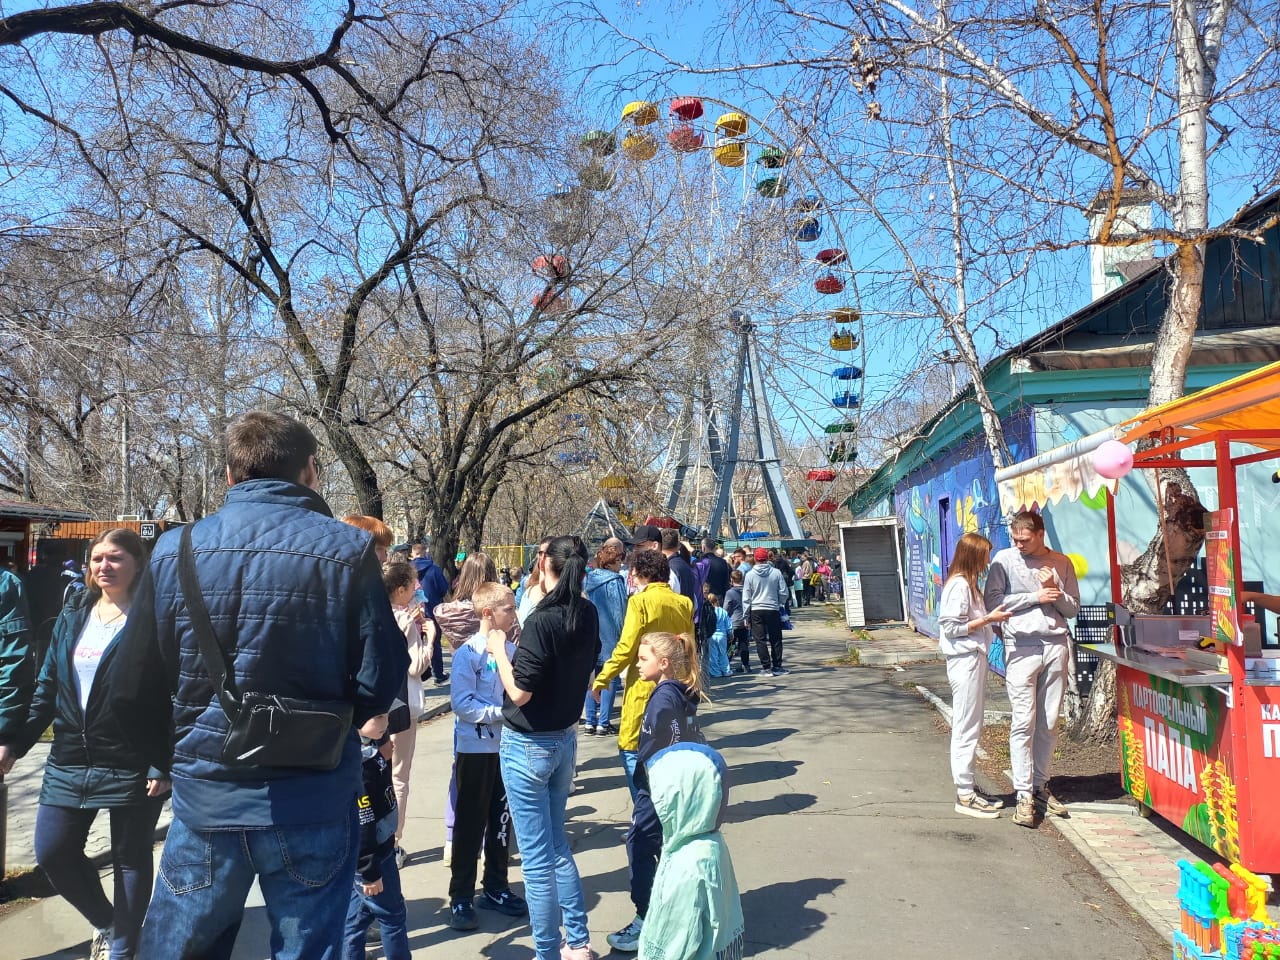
<point>1202,895</point>
<point>1112,460</point>
<point>1223,915</point>
<point>1255,893</point>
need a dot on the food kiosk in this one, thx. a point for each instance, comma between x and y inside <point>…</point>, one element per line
<point>1198,698</point>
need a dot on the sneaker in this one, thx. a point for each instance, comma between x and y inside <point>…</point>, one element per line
<point>583,952</point>
<point>608,730</point>
<point>1047,802</point>
<point>504,901</point>
<point>1025,813</point>
<point>996,802</point>
<point>779,672</point>
<point>373,935</point>
<point>462,916</point>
<point>628,938</point>
<point>976,805</point>
<point>401,858</point>
<point>100,948</point>
<point>585,724</point>
<point>447,859</point>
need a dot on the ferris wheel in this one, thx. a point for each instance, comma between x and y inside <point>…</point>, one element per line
<point>770,404</point>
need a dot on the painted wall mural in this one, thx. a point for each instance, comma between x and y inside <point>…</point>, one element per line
<point>953,495</point>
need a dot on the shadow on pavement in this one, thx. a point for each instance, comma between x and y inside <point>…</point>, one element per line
<point>609,761</point>
<point>748,810</point>
<point>601,835</point>
<point>739,713</point>
<point>753,738</point>
<point>778,915</point>
<point>1094,787</point>
<point>762,771</point>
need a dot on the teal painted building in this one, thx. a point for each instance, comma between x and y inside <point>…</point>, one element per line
<point>1087,372</point>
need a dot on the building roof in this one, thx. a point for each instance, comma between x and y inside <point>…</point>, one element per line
<point>1115,332</point>
<point>26,510</point>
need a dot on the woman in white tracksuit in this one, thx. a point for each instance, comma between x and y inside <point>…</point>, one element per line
<point>965,626</point>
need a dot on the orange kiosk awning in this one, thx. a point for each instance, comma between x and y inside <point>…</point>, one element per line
<point>1246,408</point>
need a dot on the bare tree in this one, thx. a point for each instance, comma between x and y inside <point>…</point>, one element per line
<point>1046,102</point>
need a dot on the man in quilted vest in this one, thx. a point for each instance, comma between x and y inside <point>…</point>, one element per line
<point>296,602</point>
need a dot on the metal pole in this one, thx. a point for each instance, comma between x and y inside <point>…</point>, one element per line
<point>729,462</point>
<point>775,484</point>
<point>126,491</point>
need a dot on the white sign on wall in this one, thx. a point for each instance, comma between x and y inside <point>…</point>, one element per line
<point>853,614</point>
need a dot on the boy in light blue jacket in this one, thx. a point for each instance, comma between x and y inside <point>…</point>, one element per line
<point>481,814</point>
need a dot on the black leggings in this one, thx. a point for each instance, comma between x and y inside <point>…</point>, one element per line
<point>61,833</point>
<point>644,848</point>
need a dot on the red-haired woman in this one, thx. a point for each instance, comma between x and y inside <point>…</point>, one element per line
<point>965,625</point>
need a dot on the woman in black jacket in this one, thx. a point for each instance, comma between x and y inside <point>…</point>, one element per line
<point>99,759</point>
<point>545,684</point>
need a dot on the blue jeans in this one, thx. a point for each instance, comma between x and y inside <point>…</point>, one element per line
<point>598,714</point>
<point>629,760</point>
<point>537,769</point>
<point>304,874</point>
<point>387,908</point>
<point>61,833</point>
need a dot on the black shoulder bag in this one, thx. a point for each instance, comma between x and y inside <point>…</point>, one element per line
<point>264,730</point>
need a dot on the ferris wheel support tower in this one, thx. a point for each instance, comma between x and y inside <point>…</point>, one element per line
<point>750,384</point>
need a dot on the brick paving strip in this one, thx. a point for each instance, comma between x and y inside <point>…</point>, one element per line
<point>1136,858</point>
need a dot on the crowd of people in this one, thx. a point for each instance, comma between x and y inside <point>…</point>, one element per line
<point>264,668</point>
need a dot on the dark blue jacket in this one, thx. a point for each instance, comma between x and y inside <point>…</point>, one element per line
<point>296,599</point>
<point>103,754</point>
<point>688,582</point>
<point>670,716</point>
<point>17,657</point>
<point>434,584</point>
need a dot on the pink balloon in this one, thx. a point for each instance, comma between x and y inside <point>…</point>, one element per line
<point>1113,460</point>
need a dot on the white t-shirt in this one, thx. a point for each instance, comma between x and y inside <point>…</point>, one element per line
<point>94,640</point>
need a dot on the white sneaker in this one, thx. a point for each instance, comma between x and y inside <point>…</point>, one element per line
<point>447,860</point>
<point>100,948</point>
<point>628,938</point>
<point>976,805</point>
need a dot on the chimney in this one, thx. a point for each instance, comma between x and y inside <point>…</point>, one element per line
<point>1110,266</point>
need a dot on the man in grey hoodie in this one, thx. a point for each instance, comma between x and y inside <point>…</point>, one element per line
<point>1038,587</point>
<point>764,593</point>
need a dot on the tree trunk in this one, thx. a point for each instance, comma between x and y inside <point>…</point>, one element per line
<point>957,323</point>
<point>364,479</point>
<point>1146,585</point>
<point>1147,582</point>
<point>446,535</point>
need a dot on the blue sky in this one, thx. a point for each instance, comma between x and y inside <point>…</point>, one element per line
<point>1056,285</point>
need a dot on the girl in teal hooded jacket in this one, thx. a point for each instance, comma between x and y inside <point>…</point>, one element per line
<point>694,912</point>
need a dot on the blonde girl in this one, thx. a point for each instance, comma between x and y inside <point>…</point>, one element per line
<point>671,661</point>
<point>965,627</point>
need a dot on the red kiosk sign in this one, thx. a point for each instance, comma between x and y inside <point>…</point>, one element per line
<point>1220,561</point>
